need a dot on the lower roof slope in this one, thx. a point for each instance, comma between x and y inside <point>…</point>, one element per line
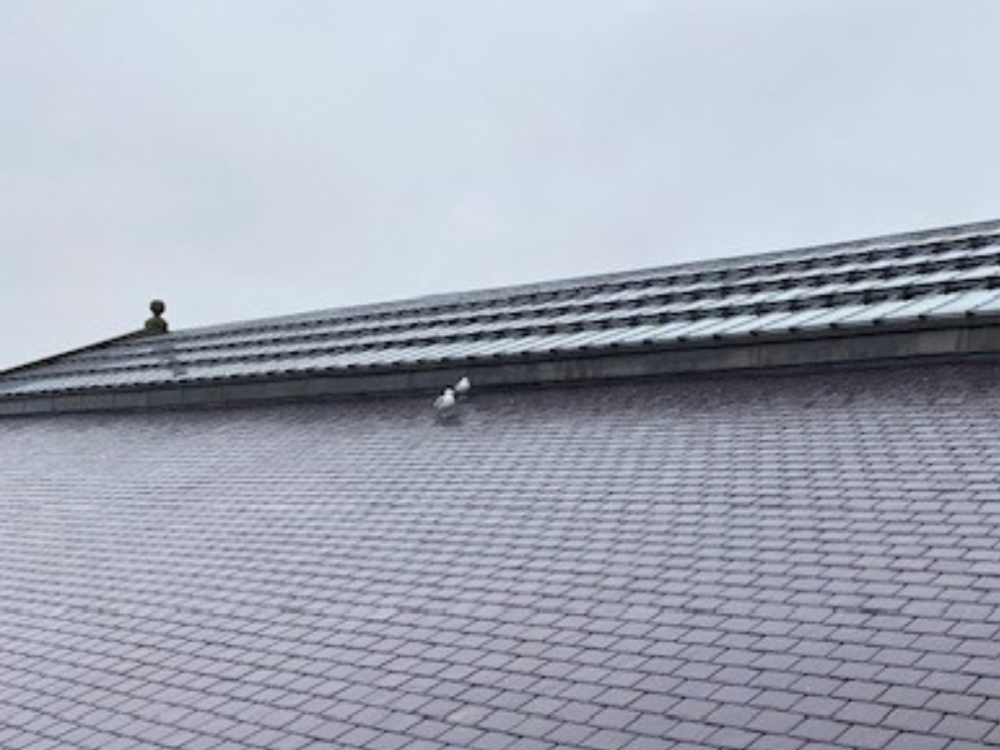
<point>736,562</point>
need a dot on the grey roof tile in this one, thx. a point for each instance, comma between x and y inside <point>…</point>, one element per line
<point>261,577</point>
<point>915,741</point>
<point>868,737</point>
<point>776,742</point>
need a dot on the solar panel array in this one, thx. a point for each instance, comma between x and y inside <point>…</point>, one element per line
<point>912,279</point>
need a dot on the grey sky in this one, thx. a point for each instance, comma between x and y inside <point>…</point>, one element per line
<point>242,158</point>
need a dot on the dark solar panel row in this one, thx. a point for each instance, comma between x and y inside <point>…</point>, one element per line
<point>861,284</point>
<point>801,291</point>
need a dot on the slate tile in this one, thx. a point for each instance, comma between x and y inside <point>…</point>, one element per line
<point>994,736</point>
<point>613,718</point>
<point>421,744</point>
<point>868,737</point>
<point>571,735</point>
<point>500,720</point>
<point>696,689</point>
<point>773,722</point>
<point>910,719</point>
<point>776,699</point>
<point>530,743</point>
<point>899,695</point>
<point>655,703</point>
<point>732,737</point>
<point>902,675</point>
<point>388,741</point>
<point>862,713</point>
<point>733,714</point>
<point>608,739</point>
<point>818,706</point>
<point>987,709</point>
<point>776,742</point>
<point>429,729</point>
<point>690,731</point>
<point>964,728</point>
<point>735,694</point>
<point>820,730</point>
<point>860,690</point>
<point>692,709</point>
<point>986,686</point>
<point>645,743</point>
<point>777,678</point>
<point>913,741</point>
<point>287,742</point>
<point>618,696</point>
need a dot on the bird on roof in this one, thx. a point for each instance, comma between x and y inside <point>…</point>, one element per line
<point>462,387</point>
<point>445,403</point>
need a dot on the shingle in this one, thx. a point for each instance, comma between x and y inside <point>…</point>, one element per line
<point>613,718</point>
<point>773,722</point>
<point>692,709</point>
<point>733,715</point>
<point>964,727</point>
<point>776,742</point>
<point>645,743</point>
<point>820,730</point>
<point>868,737</point>
<point>986,686</point>
<point>732,737</point>
<point>530,743</point>
<point>690,731</point>
<point>913,741</point>
<point>860,690</point>
<point>571,735</point>
<point>910,719</point>
<point>651,724</point>
<point>862,713</point>
<point>388,741</point>
<point>330,578</point>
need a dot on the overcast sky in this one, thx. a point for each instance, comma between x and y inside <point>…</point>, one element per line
<point>244,158</point>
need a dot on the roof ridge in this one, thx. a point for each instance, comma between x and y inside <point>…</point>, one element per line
<point>897,242</point>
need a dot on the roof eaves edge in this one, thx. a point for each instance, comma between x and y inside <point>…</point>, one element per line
<point>960,339</point>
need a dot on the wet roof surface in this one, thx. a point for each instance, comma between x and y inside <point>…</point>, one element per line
<point>734,562</point>
<point>906,279</point>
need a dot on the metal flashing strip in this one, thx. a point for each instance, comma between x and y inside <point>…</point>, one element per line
<point>885,344</point>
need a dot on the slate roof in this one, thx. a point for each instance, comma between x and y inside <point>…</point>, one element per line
<point>917,280</point>
<point>632,557</point>
<point>742,561</point>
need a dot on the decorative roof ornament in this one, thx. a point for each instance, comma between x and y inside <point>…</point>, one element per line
<point>156,325</point>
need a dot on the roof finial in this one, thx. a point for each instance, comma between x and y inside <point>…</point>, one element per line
<point>156,324</point>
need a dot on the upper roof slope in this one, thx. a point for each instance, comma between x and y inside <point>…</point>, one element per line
<point>926,280</point>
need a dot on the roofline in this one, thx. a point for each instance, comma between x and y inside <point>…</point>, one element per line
<point>52,359</point>
<point>867,342</point>
<point>942,234</point>
<point>960,339</point>
<point>903,239</point>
